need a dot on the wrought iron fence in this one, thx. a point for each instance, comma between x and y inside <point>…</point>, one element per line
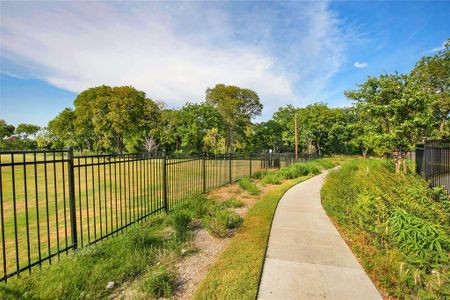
<point>52,201</point>
<point>433,162</point>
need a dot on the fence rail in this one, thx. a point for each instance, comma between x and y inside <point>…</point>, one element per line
<point>52,201</point>
<point>433,162</point>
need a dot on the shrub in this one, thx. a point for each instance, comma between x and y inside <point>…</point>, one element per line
<point>246,184</point>
<point>232,203</point>
<point>160,283</point>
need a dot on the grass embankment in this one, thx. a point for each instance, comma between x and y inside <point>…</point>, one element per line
<point>392,222</point>
<point>236,273</point>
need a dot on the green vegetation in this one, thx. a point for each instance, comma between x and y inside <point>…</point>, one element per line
<point>87,272</point>
<point>159,283</point>
<point>146,252</point>
<point>247,184</point>
<point>236,273</point>
<point>394,225</point>
<point>232,203</point>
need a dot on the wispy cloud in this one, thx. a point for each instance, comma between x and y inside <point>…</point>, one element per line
<point>439,48</point>
<point>174,51</point>
<point>360,65</point>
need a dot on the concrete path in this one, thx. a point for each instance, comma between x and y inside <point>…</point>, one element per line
<point>306,257</point>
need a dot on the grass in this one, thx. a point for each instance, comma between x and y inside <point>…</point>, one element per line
<point>236,273</point>
<point>246,184</point>
<point>86,273</point>
<point>146,254</point>
<point>393,223</point>
<point>107,197</point>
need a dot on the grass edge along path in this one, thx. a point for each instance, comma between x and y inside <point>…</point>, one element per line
<point>236,273</point>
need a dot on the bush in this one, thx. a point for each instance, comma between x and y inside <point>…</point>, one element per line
<point>160,283</point>
<point>246,184</point>
<point>180,220</point>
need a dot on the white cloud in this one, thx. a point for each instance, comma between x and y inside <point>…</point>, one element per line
<point>174,51</point>
<point>360,65</point>
<point>439,48</point>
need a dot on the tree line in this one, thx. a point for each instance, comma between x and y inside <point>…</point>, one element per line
<point>389,115</point>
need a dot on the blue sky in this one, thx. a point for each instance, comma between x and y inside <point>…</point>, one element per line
<point>289,52</point>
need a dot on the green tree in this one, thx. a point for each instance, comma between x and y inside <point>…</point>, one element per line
<point>24,131</point>
<point>62,130</point>
<point>6,130</point>
<point>196,120</point>
<point>397,109</point>
<point>110,118</point>
<point>236,106</point>
<point>432,74</point>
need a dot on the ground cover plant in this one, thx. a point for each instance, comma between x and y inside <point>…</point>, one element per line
<point>395,225</point>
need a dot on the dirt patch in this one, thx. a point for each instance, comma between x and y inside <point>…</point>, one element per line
<point>193,268</point>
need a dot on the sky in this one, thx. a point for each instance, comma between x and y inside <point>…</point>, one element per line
<point>288,52</point>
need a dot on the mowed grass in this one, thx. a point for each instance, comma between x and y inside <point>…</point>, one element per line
<point>109,194</point>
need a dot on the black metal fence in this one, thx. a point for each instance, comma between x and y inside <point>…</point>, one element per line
<point>433,162</point>
<point>53,201</point>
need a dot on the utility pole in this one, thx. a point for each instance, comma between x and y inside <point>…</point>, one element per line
<point>296,137</point>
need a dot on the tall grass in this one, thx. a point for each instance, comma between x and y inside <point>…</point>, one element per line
<point>394,225</point>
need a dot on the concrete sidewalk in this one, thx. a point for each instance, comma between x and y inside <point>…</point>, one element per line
<point>306,257</point>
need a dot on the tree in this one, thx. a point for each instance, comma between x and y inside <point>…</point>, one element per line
<point>110,118</point>
<point>195,122</point>
<point>63,130</point>
<point>265,136</point>
<point>236,106</point>
<point>6,130</point>
<point>24,131</point>
<point>397,111</point>
<point>432,74</point>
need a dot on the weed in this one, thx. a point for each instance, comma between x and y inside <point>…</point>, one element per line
<point>180,220</point>
<point>220,221</point>
<point>232,203</point>
<point>246,184</point>
<point>159,283</point>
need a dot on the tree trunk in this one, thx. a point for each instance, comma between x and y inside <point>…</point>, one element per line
<point>364,151</point>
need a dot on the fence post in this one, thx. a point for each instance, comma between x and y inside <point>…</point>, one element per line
<point>73,217</point>
<point>204,172</point>
<point>229,164</point>
<point>250,165</point>
<point>164,183</point>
